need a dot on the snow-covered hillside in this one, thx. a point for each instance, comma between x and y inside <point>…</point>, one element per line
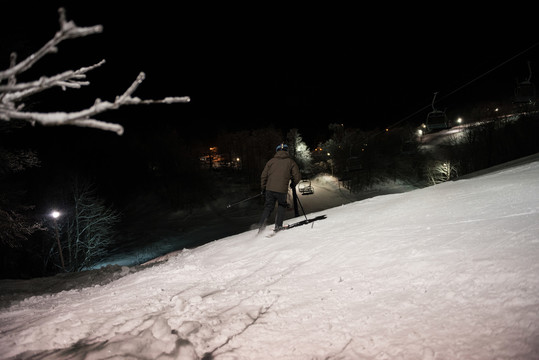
<point>446,272</point>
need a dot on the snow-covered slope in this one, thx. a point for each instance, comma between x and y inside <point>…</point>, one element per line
<point>446,272</point>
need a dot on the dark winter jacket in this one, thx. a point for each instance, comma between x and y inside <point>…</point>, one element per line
<point>278,171</point>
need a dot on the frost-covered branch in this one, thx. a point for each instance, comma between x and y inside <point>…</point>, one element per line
<point>84,118</point>
<point>12,94</point>
<point>68,30</point>
<point>72,79</point>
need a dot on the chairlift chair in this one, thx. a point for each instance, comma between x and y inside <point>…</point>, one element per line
<point>525,93</point>
<point>305,187</point>
<point>525,90</point>
<point>436,119</point>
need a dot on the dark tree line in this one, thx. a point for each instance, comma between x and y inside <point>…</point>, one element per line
<point>16,222</point>
<point>362,159</point>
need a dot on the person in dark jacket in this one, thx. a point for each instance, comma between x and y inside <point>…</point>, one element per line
<point>275,178</point>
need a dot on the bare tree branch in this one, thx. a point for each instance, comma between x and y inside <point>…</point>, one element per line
<point>68,30</point>
<point>82,118</point>
<point>70,78</point>
<point>12,93</point>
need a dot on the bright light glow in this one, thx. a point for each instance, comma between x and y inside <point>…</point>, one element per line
<point>419,132</point>
<point>55,214</point>
<point>459,120</point>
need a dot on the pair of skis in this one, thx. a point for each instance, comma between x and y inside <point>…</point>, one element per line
<point>296,224</point>
<point>296,212</point>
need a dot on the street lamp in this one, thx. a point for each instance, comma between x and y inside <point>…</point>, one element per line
<point>55,215</point>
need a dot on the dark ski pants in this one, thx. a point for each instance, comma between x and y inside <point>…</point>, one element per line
<point>269,205</point>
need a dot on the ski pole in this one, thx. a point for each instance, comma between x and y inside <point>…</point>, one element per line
<point>302,209</point>
<point>239,202</point>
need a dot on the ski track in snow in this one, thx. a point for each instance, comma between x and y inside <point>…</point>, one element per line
<point>445,272</point>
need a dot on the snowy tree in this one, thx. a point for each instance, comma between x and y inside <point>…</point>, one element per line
<point>441,171</point>
<point>14,94</point>
<point>88,228</point>
<point>299,150</point>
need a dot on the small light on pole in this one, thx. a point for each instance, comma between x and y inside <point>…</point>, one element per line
<point>55,215</point>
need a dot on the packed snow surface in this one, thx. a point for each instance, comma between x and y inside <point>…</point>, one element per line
<point>445,272</point>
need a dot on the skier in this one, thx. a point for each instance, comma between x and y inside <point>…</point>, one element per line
<point>274,180</point>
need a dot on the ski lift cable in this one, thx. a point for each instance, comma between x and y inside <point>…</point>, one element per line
<point>452,92</point>
<point>465,85</point>
<point>491,70</point>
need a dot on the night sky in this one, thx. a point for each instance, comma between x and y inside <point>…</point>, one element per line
<point>303,67</point>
